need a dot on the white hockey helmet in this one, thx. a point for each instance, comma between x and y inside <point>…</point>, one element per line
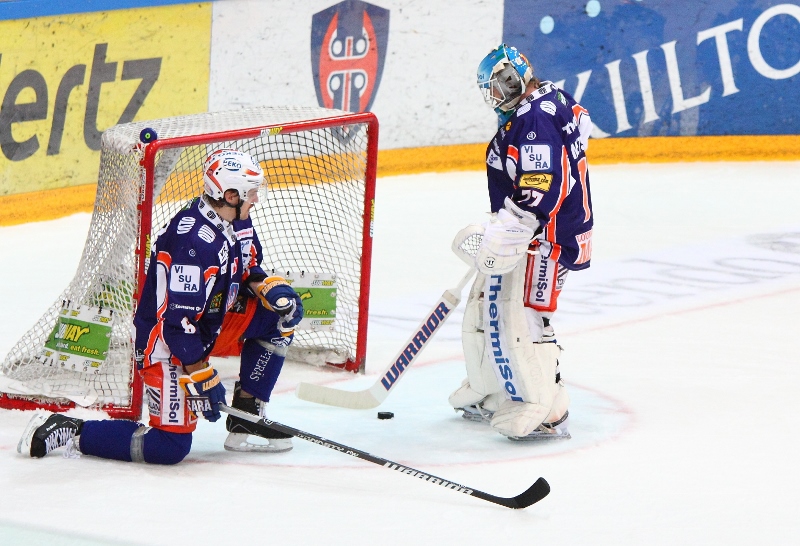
<point>228,169</point>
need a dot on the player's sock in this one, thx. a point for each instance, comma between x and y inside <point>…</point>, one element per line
<point>123,440</point>
<point>108,439</point>
<point>47,431</point>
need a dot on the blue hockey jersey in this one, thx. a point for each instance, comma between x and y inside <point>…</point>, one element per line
<point>538,159</point>
<point>197,267</point>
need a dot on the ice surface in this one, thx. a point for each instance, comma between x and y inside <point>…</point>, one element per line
<point>681,359</point>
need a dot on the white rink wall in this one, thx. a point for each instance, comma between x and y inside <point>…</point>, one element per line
<point>261,55</point>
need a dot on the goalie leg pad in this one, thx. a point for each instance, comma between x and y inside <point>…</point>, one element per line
<point>536,324</point>
<point>480,382</point>
<point>525,370</point>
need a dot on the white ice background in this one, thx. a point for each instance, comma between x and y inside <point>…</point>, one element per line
<point>681,346</point>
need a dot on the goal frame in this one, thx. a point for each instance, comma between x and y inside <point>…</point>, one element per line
<point>145,218</point>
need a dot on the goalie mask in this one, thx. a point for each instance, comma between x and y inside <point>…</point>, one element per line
<point>228,169</point>
<point>502,77</point>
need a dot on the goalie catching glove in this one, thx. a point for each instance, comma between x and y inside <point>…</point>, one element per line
<point>505,243</point>
<point>277,295</point>
<point>204,392</point>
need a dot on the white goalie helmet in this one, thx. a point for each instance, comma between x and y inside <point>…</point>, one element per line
<point>502,77</point>
<point>228,169</point>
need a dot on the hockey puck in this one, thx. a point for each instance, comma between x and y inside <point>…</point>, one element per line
<point>148,135</point>
<point>385,415</point>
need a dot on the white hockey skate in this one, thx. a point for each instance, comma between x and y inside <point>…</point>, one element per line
<point>547,431</point>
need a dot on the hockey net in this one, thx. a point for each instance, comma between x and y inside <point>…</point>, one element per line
<point>316,220</point>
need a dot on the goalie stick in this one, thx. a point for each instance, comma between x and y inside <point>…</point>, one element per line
<point>377,393</point>
<point>533,494</point>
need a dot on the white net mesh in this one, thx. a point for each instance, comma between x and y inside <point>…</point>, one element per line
<point>311,222</point>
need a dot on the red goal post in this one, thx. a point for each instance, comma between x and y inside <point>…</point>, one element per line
<point>316,221</point>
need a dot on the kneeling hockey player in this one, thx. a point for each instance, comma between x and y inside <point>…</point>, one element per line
<point>539,192</point>
<point>190,302</point>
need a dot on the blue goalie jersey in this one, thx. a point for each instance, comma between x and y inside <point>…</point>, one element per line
<point>538,159</point>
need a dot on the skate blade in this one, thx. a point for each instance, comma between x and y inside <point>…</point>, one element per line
<point>543,437</point>
<point>475,417</point>
<point>256,448</point>
<point>279,446</point>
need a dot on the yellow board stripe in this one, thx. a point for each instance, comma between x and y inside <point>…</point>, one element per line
<point>21,208</point>
<point>703,148</point>
<point>467,157</point>
<point>50,204</point>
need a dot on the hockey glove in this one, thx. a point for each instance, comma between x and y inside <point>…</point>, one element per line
<point>277,295</point>
<point>504,245</point>
<point>204,392</point>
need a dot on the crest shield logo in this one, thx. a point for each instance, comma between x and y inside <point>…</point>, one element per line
<point>348,49</point>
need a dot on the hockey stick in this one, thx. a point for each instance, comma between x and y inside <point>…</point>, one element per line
<point>533,494</point>
<point>377,393</point>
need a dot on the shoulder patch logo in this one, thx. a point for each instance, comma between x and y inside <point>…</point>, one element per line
<point>538,181</point>
<point>493,160</point>
<point>508,126</point>
<point>185,225</point>
<point>536,157</point>
<point>548,107</point>
<point>215,304</point>
<point>184,278</point>
<point>206,234</point>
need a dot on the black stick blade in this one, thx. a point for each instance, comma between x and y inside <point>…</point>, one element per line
<point>534,494</point>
